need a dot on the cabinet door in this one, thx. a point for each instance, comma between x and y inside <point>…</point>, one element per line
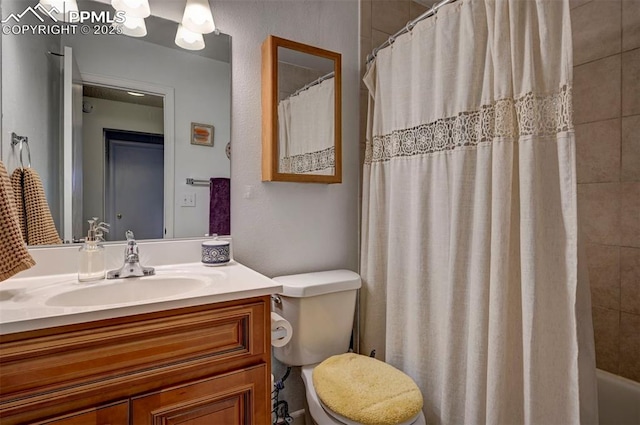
<point>237,398</point>
<point>117,414</point>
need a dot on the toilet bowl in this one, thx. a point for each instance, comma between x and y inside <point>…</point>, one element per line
<point>322,415</point>
<point>320,307</point>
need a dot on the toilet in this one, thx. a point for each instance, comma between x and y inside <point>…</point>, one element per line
<point>320,307</point>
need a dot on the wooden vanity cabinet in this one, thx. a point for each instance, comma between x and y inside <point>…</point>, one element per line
<point>208,365</point>
<point>227,399</point>
<point>117,414</point>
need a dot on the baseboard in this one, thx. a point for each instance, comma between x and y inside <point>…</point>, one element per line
<point>298,417</point>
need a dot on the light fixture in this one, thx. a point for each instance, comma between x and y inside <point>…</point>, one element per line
<point>133,27</point>
<point>188,39</point>
<point>132,93</point>
<point>133,8</point>
<point>197,17</point>
<point>63,7</point>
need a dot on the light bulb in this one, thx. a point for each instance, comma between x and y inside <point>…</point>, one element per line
<point>133,8</point>
<point>188,39</point>
<point>133,27</point>
<point>197,17</point>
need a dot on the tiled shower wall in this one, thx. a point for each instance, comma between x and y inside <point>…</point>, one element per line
<point>606,97</point>
<point>606,37</point>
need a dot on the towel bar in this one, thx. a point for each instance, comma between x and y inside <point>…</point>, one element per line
<point>197,182</point>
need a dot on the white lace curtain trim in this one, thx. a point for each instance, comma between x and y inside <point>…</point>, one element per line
<point>309,162</point>
<point>528,115</point>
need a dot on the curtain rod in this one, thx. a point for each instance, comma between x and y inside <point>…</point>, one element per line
<point>313,83</point>
<point>407,28</point>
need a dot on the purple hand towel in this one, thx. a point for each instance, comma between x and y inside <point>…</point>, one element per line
<point>220,206</point>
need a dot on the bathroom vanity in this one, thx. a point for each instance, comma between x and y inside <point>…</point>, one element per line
<point>198,357</point>
<point>209,362</point>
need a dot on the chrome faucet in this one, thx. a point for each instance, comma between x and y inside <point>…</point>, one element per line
<point>131,267</point>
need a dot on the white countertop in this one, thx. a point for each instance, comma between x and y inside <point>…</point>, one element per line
<point>25,303</point>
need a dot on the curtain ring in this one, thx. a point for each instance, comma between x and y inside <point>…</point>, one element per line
<point>409,26</point>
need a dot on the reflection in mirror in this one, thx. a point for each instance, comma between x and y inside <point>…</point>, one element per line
<point>121,150</point>
<point>301,112</point>
<point>306,123</point>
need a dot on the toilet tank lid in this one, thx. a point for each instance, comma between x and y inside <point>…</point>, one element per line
<point>318,283</point>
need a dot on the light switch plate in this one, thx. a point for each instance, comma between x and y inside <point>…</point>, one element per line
<point>188,199</point>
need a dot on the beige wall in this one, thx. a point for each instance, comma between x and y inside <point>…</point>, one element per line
<point>607,122</point>
<point>282,228</point>
<point>606,42</point>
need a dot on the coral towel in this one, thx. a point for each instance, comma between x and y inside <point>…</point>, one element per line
<point>14,256</point>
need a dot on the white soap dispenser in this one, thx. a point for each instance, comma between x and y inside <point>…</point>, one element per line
<point>91,264</point>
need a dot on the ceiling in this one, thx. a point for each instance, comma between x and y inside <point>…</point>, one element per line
<point>108,93</point>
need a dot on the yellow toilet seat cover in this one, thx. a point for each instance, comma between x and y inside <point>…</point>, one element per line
<point>366,390</point>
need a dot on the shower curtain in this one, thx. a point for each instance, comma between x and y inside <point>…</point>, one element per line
<point>306,131</point>
<point>469,234</point>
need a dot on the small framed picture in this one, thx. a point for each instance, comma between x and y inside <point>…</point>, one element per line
<point>201,134</point>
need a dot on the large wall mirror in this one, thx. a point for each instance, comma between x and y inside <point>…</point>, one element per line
<point>134,130</point>
<point>301,113</point>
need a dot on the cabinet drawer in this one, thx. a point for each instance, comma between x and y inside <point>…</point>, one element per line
<point>118,349</point>
<point>236,398</point>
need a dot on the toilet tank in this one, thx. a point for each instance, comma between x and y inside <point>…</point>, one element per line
<point>320,307</point>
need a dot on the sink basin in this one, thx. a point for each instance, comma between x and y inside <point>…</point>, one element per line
<point>130,290</point>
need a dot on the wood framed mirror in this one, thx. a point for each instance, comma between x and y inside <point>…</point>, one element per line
<point>301,113</point>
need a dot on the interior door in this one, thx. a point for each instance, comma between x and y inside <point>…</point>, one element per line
<point>135,167</point>
<point>73,217</point>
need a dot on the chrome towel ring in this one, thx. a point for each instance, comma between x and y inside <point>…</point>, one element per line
<point>23,141</point>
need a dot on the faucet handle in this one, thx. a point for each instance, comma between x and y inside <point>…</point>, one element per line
<point>131,267</point>
<point>131,250</point>
<point>101,229</point>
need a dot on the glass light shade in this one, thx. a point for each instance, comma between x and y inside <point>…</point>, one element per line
<point>62,6</point>
<point>133,8</point>
<point>188,39</point>
<point>133,27</point>
<point>197,17</point>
